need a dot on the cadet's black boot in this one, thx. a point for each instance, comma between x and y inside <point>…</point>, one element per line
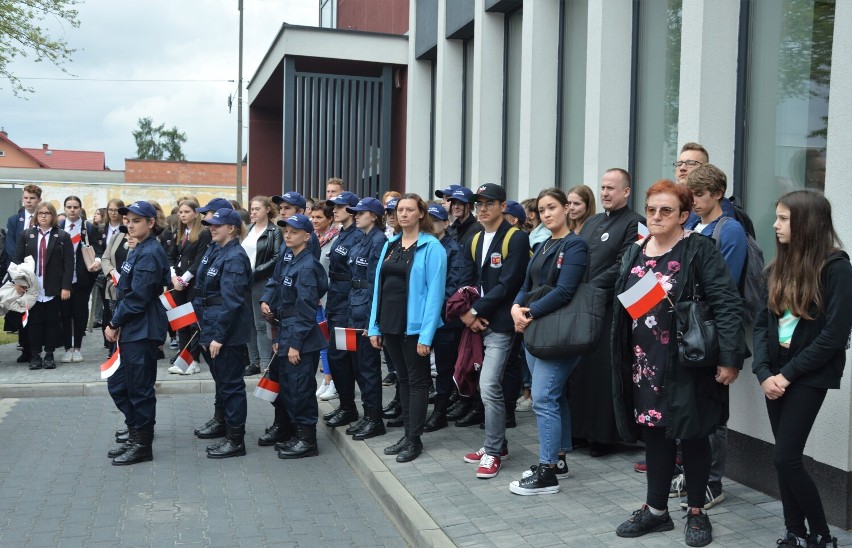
<point>305,445</point>
<point>459,409</point>
<point>139,451</point>
<point>280,431</point>
<point>393,409</point>
<point>122,436</point>
<point>411,451</point>
<point>122,449</point>
<point>214,428</point>
<point>438,418</point>
<point>234,445</point>
<point>474,416</point>
<point>343,418</point>
<point>331,414</point>
<point>373,427</point>
<point>360,424</point>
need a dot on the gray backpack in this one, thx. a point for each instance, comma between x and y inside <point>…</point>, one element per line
<point>752,278</point>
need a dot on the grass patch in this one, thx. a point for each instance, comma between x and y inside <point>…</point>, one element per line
<point>6,338</point>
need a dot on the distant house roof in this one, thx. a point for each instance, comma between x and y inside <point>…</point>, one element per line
<point>22,158</point>
<point>68,159</point>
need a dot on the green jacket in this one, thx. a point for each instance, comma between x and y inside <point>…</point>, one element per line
<point>696,403</point>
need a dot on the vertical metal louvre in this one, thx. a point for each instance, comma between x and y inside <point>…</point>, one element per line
<point>339,126</point>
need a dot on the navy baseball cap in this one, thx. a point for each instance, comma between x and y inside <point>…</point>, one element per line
<point>438,212</point>
<point>447,192</point>
<point>224,216</point>
<point>346,198</point>
<point>298,221</point>
<point>516,210</point>
<point>215,205</point>
<point>292,198</point>
<point>391,205</point>
<point>489,191</point>
<point>368,204</point>
<point>461,194</point>
<point>143,209</point>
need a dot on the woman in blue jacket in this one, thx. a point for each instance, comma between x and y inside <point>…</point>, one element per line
<point>559,262</point>
<point>414,271</point>
<point>800,341</point>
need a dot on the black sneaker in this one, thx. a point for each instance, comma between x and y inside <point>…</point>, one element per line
<point>540,479</point>
<point>562,471</point>
<point>821,541</point>
<point>697,531</point>
<point>790,540</point>
<point>49,362</point>
<point>390,379</point>
<point>642,522</point>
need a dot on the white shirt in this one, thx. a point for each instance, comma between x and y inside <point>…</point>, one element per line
<point>76,236</point>
<point>487,238</point>
<point>42,298</point>
<point>250,244</point>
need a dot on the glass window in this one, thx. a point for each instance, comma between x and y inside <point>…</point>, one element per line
<point>655,147</point>
<point>512,109</point>
<point>573,100</point>
<point>790,45</point>
<point>328,14</point>
<point>467,122</point>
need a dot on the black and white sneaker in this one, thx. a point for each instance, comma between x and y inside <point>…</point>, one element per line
<point>712,497</point>
<point>821,541</point>
<point>538,480</point>
<point>790,540</point>
<point>562,471</point>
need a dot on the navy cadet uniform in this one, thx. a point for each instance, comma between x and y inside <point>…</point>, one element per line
<point>221,289</point>
<point>142,321</point>
<point>302,283</point>
<point>366,361</point>
<point>337,311</point>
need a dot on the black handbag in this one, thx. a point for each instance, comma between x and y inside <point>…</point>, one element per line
<point>697,338</point>
<point>571,330</point>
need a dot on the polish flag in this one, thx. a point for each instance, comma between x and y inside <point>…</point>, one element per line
<point>643,296</point>
<point>76,238</point>
<point>115,277</point>
<point>184,360</point>
<point>346,338</point>
<point>323,325</point>
<point>111,365</point>
<point>168,301</point>
<point>642,232</point>
<point>26,317</point>
<point>266,389</point>
<point>182,316</point>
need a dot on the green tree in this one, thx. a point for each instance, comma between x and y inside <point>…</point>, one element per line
<point>157,143</point>
<point>22,35</point>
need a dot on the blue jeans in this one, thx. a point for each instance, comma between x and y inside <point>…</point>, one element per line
<point>550,404</point>
<point>497,347</point>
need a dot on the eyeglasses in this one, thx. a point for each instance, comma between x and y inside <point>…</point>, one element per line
<point>664,211</point>
<point>483,205</point>
<point>44,214</point>
<point>689,163</point>
<point>112,210</point>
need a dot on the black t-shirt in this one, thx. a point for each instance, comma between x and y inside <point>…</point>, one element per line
<point>394,303</point>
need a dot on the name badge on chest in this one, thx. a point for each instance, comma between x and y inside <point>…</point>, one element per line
<point>287,281</point>
<point>360,261</point>
<point>342,251</point>
<point>126,267</point>
<point>213,272</point>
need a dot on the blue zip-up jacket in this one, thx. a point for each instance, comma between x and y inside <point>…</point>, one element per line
<point>427,278</point>
<point>363,264</point>
<point>228,277</point>
<point>144,274</point>
<point>337,302</point>
<point>733,243</point>
<point>302,284</point>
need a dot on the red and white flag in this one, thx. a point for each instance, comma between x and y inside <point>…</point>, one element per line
<point>266,389</point>
<point>76,238</point>
<point>346,338</point>
<point>168,301</point>
<point>182,316</point>
<point>115,277</point>
<point>323,325</point>
<point>643,296</point>
<point>642,232</point>
<point>26,317</point>
<point>184,360</point>
<point>111,365</point>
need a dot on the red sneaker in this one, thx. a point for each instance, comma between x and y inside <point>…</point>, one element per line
<point>489,466</point>
<point>640,467</point>
<point>474,458</point>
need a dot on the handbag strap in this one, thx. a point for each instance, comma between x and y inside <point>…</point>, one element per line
<point>554,267</point>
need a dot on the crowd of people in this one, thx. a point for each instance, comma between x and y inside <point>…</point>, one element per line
<point>448,289</point>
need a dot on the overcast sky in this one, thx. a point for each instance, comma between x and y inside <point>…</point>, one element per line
<point>152,40</point>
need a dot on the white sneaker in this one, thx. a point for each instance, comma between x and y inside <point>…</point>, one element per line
<point>192,369</point>
<point>322,388</point>
<point>69,355</point>
<point>77,357</point>
<point>524,405</point>
<point>176,370</point>
<point>330,392</point>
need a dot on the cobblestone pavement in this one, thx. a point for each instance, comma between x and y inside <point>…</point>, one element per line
<point>69,493</point>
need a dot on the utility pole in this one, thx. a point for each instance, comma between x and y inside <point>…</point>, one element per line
<point>240,114</point>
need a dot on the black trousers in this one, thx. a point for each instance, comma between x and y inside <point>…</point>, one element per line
<point>446,346</point>
<point>363,366</point>
<point>298,386</point>
<point>43,326</point>
<point>660,455</point>
<point>414,375</point>
<point>75,315</point>
<point>185,335</point>
<point>792,416</point>
<point>227,371</point>
<point>134,394</point>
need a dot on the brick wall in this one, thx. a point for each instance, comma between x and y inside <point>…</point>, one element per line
<point>183,173</point>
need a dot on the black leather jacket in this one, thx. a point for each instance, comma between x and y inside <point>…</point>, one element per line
<point>268,245</point>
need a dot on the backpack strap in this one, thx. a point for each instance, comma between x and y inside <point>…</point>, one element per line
<point>504,249</point>
<point>473,242</point>
<point>717,231</point>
